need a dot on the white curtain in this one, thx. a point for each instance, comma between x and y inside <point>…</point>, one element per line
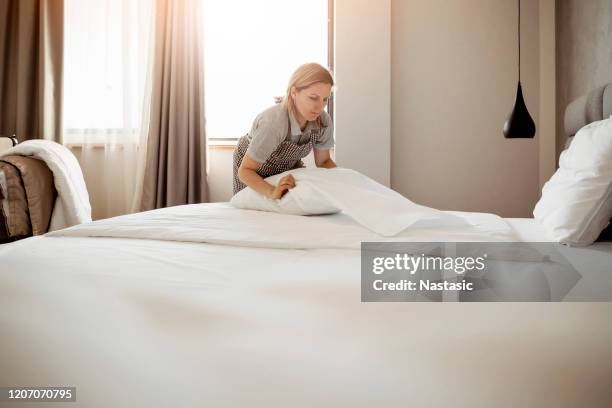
<point>106,92</point>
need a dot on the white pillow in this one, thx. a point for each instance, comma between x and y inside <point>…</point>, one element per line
<point>300,200</point>
<point>576,203</point>
<point>323,191</point>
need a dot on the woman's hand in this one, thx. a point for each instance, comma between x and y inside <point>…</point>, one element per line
<point>285,184</point>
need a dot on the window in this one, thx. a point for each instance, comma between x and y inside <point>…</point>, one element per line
<point>105,59</point>
<point>251,48</point>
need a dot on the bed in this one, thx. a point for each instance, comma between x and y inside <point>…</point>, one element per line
<point>210,305</point>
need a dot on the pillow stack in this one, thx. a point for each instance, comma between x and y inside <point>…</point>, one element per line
<point>576,203</point>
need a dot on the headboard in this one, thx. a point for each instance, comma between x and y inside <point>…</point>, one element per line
<point>596,105</point>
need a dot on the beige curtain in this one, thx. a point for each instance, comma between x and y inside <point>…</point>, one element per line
<point>31,54</point>
<point>175,165</point>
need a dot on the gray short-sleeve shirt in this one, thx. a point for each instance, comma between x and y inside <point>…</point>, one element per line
<point>275,125</point>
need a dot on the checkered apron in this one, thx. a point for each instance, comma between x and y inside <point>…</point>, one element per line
<point>288,155</point>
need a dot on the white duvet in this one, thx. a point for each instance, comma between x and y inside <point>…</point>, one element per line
<point>220,223</point>
<point>157,322</point>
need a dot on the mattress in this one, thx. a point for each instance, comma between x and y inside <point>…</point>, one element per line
<point>166,322</point>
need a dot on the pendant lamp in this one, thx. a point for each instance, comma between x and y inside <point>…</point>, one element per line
<point>519,123</point>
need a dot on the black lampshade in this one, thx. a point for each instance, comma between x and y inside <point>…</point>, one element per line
<point>519,123</point>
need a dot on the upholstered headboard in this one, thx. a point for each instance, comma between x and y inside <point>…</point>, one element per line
<point>596,105</point>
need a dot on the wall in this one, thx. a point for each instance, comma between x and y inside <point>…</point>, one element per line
<point>584,52</point>
<point>547,123</point>
<point>454,75</point>
<point>363,93</point>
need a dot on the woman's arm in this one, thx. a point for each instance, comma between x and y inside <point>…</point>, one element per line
<point>247,173</point>
<point>323,158</point>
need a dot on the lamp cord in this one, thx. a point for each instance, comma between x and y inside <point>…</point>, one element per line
<point>519,40</point>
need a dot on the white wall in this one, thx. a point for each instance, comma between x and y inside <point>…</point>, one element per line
<point>454,80</point>
<point>548,94</point>
<point>363,96</point>
<point>220,177</point>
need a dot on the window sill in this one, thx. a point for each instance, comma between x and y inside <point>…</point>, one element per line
<point>214,145</point>
<point>118,146</point>
<point>222,143</point>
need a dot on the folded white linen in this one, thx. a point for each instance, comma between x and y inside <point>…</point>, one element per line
<point>221,223</point>
<point>72,203</point>
<point>320,191</point>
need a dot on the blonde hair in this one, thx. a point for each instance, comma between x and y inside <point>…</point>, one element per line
<point>306,75</point>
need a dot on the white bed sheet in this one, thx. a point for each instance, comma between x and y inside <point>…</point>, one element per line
<point>528,229</point>
<point>142,322</point>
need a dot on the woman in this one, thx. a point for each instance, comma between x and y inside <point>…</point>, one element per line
<point>282,135</point>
